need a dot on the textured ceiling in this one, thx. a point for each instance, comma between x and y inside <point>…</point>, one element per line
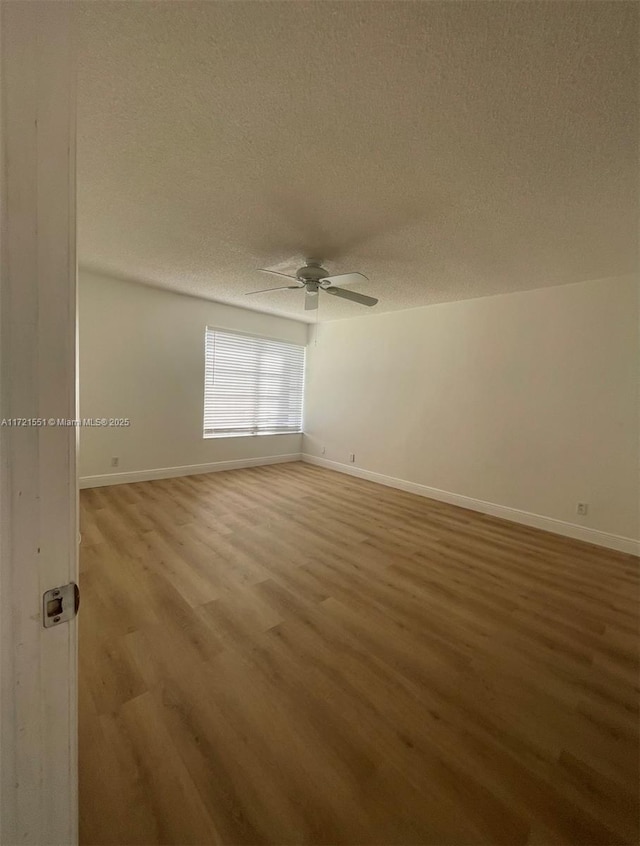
<point>446,150</point>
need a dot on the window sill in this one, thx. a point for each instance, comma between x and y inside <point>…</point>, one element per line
<point>249,434</point>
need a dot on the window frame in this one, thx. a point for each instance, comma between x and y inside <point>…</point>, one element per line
<point>258,337</point>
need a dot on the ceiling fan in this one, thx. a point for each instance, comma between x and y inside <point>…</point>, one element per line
<point>313,278</point>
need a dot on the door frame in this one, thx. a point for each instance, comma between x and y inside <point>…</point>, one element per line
<point>38,485</point>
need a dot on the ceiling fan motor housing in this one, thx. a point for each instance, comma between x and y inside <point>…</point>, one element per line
<point>312,272</point>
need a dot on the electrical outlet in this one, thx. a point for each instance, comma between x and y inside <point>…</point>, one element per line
<point>352,457</point>
<point>582,508</point>
<point>115,461</point>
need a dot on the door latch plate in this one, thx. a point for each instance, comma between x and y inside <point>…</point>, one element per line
<point>60,604</point>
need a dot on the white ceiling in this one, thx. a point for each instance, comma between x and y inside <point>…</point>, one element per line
<point>446,150</point>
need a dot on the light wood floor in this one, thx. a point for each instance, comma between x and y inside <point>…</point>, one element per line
<point>286,655</point>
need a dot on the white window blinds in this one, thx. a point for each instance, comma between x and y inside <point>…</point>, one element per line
<point>252,386</point>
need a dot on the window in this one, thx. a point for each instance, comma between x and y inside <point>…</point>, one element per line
<point>252,386</point>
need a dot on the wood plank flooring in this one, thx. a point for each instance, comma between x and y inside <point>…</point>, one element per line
<point>287,655</point>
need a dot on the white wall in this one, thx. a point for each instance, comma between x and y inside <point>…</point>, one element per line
<point>141,354</point>
<point>527,400</point>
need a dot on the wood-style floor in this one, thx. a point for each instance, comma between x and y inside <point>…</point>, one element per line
<point>286,655</point>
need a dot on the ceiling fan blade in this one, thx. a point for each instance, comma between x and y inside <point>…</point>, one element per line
<point>351,295</point>
<point>346,279</point>
<point>277,273</point>
<point>311,301</point>
<point>279,288</point>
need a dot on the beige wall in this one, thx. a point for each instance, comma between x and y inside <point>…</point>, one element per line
<point>141,356</point>
<point>527,400</point>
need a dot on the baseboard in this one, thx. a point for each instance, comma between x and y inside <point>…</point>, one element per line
<point>537,521</point>
<point>186,470</point>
